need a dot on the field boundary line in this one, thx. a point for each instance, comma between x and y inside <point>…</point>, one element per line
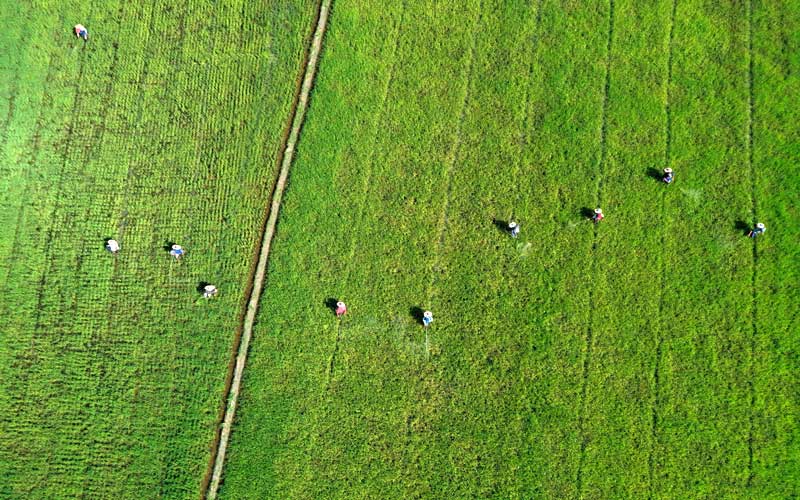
<point>448,173</point>
<point>599,198</point>
<point>663,264</point>
<point>370,168</point>
<point>297,117</point>
<point>753,213</point>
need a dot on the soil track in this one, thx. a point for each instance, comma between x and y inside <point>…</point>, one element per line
<point>254,293</point>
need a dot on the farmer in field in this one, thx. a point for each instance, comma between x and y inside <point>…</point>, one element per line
<point>209,291</point>
<point>427,318</point>
<point>341,309</point>
<point>668,177</point>
<point>112,246</point>
<point>759,229</point>
<point>598,215</point>
<point>82,32</point>
<point>177,251</point>
<point>513,229</point>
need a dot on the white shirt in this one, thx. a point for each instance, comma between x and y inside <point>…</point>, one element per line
<point>112,246</point>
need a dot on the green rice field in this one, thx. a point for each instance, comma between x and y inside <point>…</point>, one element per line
<point>654,354</point>
<point>163,128</point>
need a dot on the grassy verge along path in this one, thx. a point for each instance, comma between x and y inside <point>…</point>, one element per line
<point>263,258</point>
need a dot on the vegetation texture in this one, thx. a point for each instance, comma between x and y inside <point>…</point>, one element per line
<point>163,128</point>
<point>652,355</point>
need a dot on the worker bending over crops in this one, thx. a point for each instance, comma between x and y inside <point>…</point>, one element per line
<point>668,176</point>
<point>759,229</point>
<point>427,318</point>
<point>209,291</point>
<point>341,309</point>
<point>177,251</point>
<point>513,229</point>
<point>112,246</point>
<point>598,215</point>
<point>82,32</point>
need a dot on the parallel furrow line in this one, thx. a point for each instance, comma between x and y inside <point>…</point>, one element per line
<point>448,173</point>
<point>754,214</point>
<point>599,197</point>
<point>370,169</point>
<point>663,264</point>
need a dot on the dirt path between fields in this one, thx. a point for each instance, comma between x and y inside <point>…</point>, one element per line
<point>299,111</point>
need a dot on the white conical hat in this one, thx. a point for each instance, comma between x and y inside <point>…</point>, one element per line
<point>668,170</point>
<point>512,224</point>
<point>209,288</point>
<point>176,247</point>
<point>428,314</point>
<point>598,210</point>
<point>340,304</point>
<point>760,225</point>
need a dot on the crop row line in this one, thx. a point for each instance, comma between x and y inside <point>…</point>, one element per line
<point>599,194</point>
<point>754,213</point>
<point>663,263</point>
<point>370,168</point>
<point>14,89</point>
<point>523,142</point>
<point>296,118</point>
<point>49,257</point>
<point>450,164</point>
<point>36,139</point>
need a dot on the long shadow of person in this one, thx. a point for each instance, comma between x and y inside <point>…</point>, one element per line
<point>330,303</point>
<point>742,226</point>
<point>655,174</point>
<point>501,225</point>
<point>416,313</point>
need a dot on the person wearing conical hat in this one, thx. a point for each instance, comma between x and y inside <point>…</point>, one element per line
<point>112,246</point>
<point>427,318</point>
<point>209,291</point>
<point>598,215</point>
<point>513,229</point>
<point>668,176</point>
<point>177,251</point>
<point>759,229</point>
<point>341,309</point>
<point>81,32</point>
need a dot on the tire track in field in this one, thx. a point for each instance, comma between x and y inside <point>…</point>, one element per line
<point>296,118</point>
<point>34,156</point>
<point>12,98</point>
<point>451,163</point>
<point>754,213</point>
<point>599,196</point>
<point>523,140</point>
<point>368,176</point>
<point>49,257</point>
<point>14,91</point>
<point>663,263</point>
